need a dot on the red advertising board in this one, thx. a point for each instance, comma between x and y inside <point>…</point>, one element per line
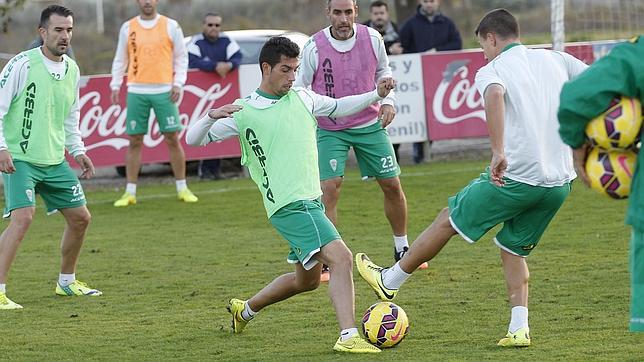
<point>102,124</point>
<point>453,107</point>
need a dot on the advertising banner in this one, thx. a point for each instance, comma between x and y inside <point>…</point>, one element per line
<point>102,124</point>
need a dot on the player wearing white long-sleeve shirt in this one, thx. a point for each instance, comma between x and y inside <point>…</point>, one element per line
<point>39,114</point>
<point>151,49</point>
<point>277,131</point>
<point>343,59</point>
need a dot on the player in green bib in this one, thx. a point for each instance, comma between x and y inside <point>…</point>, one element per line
<point>277,132</point>
<point>39,110</point>
<point>621,72</point>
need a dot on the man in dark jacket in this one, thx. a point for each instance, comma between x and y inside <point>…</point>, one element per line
<point>379,20</point>
<point>213,51</point>
<point>428,30</point>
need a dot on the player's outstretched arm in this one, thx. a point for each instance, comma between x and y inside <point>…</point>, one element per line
<point>216,125</point>
<point>346,106</point>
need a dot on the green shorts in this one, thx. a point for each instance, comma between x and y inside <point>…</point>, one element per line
<point>138,113</point>
<point>306,228</point>
<point>371,144</point>
<point>524,210</point>
<point>57,185</point>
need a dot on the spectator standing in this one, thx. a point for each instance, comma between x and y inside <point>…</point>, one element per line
<point>428,30</point>
<point>151,49</point>
<point>213,51</point>
<point>379,20</point>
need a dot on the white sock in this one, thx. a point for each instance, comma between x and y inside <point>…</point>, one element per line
<point>394,277</point>
<point>519,318</point>
<point>401,243</point>
<point>130,188</point>
<point>181,185</point>
<point>66,279</point>
<point>3,288</point>
<point>348,333</point>
<point>248,313</point>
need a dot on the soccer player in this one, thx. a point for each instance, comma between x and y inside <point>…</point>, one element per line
<point>529,174</point>
<point>276,128</point>
<point>346,59</point>
<point>151,49</point>
<point>39,111</point>
<point>621,72</point>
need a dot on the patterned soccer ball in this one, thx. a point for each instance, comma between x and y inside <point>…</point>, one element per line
<point>385,324</point>
<point>611,172</point>
<point>619,127</point>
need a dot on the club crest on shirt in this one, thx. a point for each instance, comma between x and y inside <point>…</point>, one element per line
<point>333,163</point>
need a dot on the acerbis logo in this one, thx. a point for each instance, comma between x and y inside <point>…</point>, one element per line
<point>333,163</point>
<point>8,70</point>
<point>30,103</point>
<point>252,140</point>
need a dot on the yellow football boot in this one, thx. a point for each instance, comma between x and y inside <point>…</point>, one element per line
<point>77,288</point>
<point>520,338</point>
<point>186,195</point>
<point>126,200</point>
<point>372,274</point>
<point>355,344</point>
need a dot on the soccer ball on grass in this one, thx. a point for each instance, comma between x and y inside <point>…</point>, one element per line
<point>385,324</point>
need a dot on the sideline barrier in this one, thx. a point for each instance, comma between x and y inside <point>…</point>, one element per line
<point>435,92</point>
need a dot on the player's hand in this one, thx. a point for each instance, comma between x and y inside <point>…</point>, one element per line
<point>224,111</point>
<point>579,156</point>
<point>498,165</point>
<point>386,114</point>
<point>223,68</point>
<point>385,85</point>
<point>86,165</point>
<point>6,162</point>
<point>395,48</point>
<point>175,93</point>
<point>115,96</point>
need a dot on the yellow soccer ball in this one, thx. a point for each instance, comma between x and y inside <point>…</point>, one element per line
<point>619,127</point>
<point>611,172</point>
<point>385,324</point>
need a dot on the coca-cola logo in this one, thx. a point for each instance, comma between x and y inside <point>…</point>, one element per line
<point>105,127</point>
<point>456,98</point>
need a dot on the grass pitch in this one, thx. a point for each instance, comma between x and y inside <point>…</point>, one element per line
<point>167,270</point>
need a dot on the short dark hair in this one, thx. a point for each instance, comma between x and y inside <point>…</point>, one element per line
<point>500,22</point>
<point>53,9</point>
<point>275,47</point>
<point>212,13</point>
<point>377,4</point>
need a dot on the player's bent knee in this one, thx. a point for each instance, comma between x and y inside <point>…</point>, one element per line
<point>21,220</point>
<point>391,186</point>
<point>330,189</point>
<point>344,259</point>
<point>310,284</point>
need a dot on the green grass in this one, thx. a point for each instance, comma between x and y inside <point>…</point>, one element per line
<point>167,270</point>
